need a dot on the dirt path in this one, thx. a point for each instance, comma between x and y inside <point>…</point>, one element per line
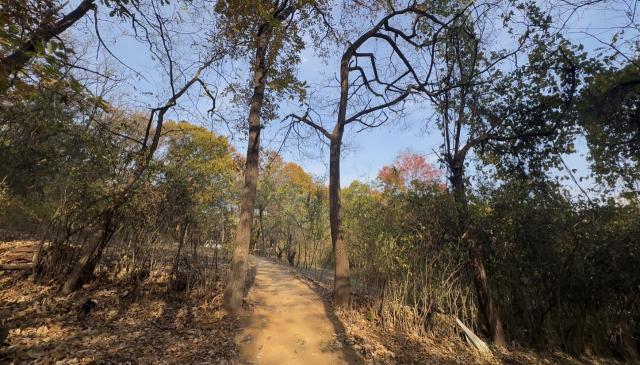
<point>289,323</point>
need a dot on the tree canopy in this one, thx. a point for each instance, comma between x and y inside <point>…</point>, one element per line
<point>120,163</point>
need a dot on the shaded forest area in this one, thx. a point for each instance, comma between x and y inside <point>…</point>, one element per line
<point>124,204</point>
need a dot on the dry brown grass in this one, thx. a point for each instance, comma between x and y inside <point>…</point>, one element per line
<point>384,344</point>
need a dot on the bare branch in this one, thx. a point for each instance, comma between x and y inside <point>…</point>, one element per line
<point>305,119</point>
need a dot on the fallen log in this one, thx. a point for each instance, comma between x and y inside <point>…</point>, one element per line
<point>472,338</point>
<point>19,256</point>
<point>28,266</point>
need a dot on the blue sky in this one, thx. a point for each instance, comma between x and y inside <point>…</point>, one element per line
<point>378,147</point>
<point>369,150</point>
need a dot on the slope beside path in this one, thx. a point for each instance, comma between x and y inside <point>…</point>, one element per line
<point>289,323</point>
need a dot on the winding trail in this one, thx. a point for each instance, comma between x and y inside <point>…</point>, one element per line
<point>289,323</point>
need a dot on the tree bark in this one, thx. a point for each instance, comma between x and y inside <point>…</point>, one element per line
<point>342,282</point>
<point>291,254</point>
<point>222,233</point>
<point>485,300</point>
<point>299,253</point>
<point>478,272</point>
<point>176,262</point>
<point>637,117</point>
<point>264,237</point>
<point>234,291</point>
<point>83,266</point>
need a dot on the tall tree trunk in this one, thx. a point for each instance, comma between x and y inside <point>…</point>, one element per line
<point>478,272</point>
<point>485,300</point>
<point>176,262</point>
<point>342,282</point>
<point>306,253</point>
<point>235,288</point>
<point>78,271</point>
<point>638,123</point>
<point>222,233</point>
<point>291,254</point>
<point>313,255</point>
<point>264,237</point>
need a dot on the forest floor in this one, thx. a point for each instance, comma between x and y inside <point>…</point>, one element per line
<point>288,319</point>
<point>377,345</point>
<point>145,325</point>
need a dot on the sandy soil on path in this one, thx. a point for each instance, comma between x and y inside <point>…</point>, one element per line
<point>289,323</point>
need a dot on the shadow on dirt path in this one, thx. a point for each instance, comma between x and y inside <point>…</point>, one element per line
<point>288,323</point>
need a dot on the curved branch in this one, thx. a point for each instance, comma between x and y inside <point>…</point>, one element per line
<point>26,51</point>
<point>305,119</point>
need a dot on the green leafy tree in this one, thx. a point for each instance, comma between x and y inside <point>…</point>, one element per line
<point>564,270</point>
<point>287,200</point>
<point>31,30</point>
<point>525,113</point>
<point>198,172</point>
<point>609,112</point>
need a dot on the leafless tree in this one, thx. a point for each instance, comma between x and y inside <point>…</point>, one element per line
<point>391,65</point>
<point>161,44</point>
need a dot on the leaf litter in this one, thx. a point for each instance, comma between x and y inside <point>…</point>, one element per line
<point>47,328</point>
